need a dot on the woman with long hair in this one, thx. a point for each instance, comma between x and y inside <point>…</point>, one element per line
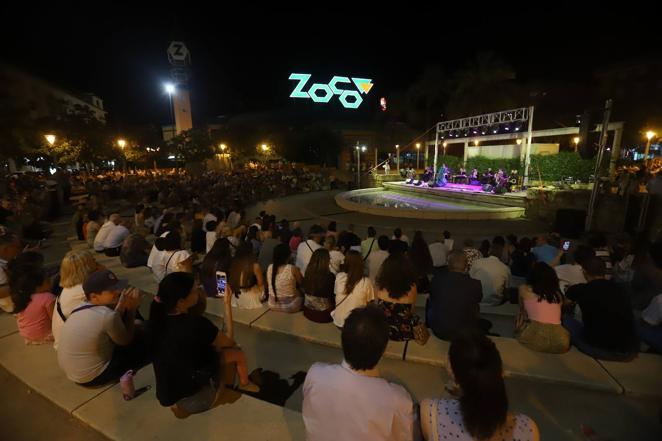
<point>284,280</point>
<point>336,258</point>
<point>538,324</point>
<point>420,256</point>
<point>74,269</point>
<point>522,259</point>
<point>481,411</point>
<point>318,284</point>
<point>396,295</point>
<point>245,279</point>
<point>33,301</point>
<point>352,288</point>
<point>217,259</point>
<point>193,360</point>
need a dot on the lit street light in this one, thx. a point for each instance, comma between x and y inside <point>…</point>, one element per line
<point>50,139</point>
<point>122,143</point>
<point>265,148</point>
<point>576,141</point>
<point>519,141</point>
<point>418,155</point>
<point>170,90</point>
<point>397,152</point>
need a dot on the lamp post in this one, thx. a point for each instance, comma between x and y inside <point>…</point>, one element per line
<point>397,159</point>
<point>649,136</point>
<point>170,90</point>
<point>418,155</point>
<point>122,143</point>
<point>576,140</point>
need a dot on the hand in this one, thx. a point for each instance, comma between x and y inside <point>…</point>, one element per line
<point>130,300</point>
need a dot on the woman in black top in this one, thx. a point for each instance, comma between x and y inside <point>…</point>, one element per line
<point>192,358</point>
<point>198,238</point>
<point>318,284</point>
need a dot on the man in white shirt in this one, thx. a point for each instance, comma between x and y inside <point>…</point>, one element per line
<point>113,243</point>
<point>104,231</point>
<point>439,252</point>
<point>350,401</point>
<point>307,248</point>
<point>370,244</point>
<point>493,275</point>
<point>572,273</point>
<point>377,257</point>
<point>397,235</point>
<point>209,216</point>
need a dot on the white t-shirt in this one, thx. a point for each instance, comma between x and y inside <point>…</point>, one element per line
<point>101,236</point>
<point>69,299</point>
<point>87,341</point>
<point>305,252</point>
<point>439,253</point>
<point>336,259</point>
<point>340,403</point>
<point>375,260</point>
<point>403,238</point>
<point>569,275</point>
<point>155,254</point>
<point>210,238</point>
<point>653,314</point>
<point>208,218</point>
<point>363,292</point>
<point>493,276</point>
<point>116,237</point>
<point>169,263</point>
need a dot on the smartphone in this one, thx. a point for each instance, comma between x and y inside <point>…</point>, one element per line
<point>566,245</point>
<point>221,283</point>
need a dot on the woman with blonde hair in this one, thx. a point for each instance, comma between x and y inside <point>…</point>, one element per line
<point>76,266</point>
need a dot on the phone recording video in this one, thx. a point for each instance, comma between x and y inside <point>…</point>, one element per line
<point>221,283</point>
<point>566,245</point>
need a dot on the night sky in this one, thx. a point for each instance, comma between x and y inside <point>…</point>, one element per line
<point>241,59</point>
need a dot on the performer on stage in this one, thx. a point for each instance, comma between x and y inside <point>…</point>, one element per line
<point>387,166</point>
<point>427,175</point>
<point>512,179</point>
<point>442,179</point>
<point>473,179</point>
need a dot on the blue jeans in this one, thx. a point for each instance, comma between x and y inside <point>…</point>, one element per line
<point>578,338</point>
<point>651,335</point>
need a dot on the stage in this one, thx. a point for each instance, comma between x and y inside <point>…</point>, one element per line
<point>452,202</point>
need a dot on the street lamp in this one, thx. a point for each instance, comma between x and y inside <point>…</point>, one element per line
<point>418,155</point>
<point>519,141</point>
<point>397,159</point>
<point>445,144</point>
<point>265,148</point>
<point>170,90</point>
<point>649,136</point>
<point>476,142</point>
<point>50,139</point>
<point>122,143</point>
<point>576,140</point>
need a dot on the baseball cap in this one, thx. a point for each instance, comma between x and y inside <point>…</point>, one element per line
<point>103,280</point>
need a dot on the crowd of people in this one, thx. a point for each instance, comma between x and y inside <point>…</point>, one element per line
<point>194,235</point>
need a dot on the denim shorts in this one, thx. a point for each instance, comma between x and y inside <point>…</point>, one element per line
<point>201,401</point>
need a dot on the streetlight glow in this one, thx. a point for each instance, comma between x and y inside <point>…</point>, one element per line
<point>169,88</point>
<point>445,144</point>
<point>223,147</point>
<point>476,142</point>
<point>265,147</point>
<point>575,140</point>
<point>650,135</point>
<point>50,139</point>
<point>418,145</point>
<point>363,148</point>
<point>121,143</point>
<point>519,142</point>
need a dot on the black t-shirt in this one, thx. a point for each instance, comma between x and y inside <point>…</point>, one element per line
<point>454,303</point>
<point>606,313</point>
<point>198,241</point>
<point>184,358</point>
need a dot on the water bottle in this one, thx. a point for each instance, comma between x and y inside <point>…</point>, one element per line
<point>126,384</point>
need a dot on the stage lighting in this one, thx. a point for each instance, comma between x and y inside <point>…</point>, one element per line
<point>483,130</point>
<point>506,127</point>
<point>518,126</point>
<point>494,129</point>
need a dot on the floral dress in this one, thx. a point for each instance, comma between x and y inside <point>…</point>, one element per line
<point>401,320</point>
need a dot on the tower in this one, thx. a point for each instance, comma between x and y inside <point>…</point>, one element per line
<point>180,60</point>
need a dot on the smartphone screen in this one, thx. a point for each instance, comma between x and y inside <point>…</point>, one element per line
<point>566,245</point>
<point>221,283</point>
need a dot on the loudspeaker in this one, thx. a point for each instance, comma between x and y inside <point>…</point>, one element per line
<point>570,222</point>
<point>409,181</point>
<point>417,183</point>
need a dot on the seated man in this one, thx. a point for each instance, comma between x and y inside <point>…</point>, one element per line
<point>98,342</point>
<point>100,239</point>
<point>454,299</point>
<point>649,328</point>
<point>113,243</point>
<point>350,401</point>
<point>135,251</point>
<point>607,329</point>
<point>493,275</point>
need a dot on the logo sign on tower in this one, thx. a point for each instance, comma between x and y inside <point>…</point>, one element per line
<point>350,98</point>
<point>178,53</point>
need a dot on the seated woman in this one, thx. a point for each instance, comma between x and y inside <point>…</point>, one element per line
<point>172,257</point>
<point>245,279</point>
<point>193,360</point>
<point>420,256</point>
<point>283,281</point>
<point>481,411</point>
<point>33,301</point>
<point>217,259</point>
<point>396,295</point>
<point>74,269</point>
<point>352,288</point>
<point>318,286</point>
<point>539,321</point>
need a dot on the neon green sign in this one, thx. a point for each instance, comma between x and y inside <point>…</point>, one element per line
<point>322,93</point>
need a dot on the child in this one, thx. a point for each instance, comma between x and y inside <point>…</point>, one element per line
<point>33,301</point>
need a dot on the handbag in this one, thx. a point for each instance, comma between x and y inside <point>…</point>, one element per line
<point>421,334</point>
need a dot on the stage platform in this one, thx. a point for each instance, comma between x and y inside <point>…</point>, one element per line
<point>453,202</point>
<point>462,192</point>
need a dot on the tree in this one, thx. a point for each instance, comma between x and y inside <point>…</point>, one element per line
<point>192,145</point>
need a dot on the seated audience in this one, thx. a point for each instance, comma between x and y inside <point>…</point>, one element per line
<point>439,251</point>
<point>336,257</point>
<point>135,251</point>
<point>607,329</point>
<point>369,244</point>
<point>10,248</point>
<point>33,301</point>
<point>571,274</point>
<point>539,321</point>
<point>306,248</point>
<point>98,342</point>
<point>284,281</point>
<point>377,257</point>
<point>420,257</point>
<point>198,238</point>
<point>210,235</point>
<point>318,284</point>
<point>76,266</point>
<point>472,253</point>
<point>94,221</point>
<point>172,257</point>
<point>104,231</point>
<point>399,243</point>
<point>481,410</point>
<point>543,251</point>
<point>350,401</point>
<point>113,243</point>
<point>598,241</point>
<point>454,302</point>
<point>271,240</point>
<point>493,275</point>
<point>193,360</point>
<point>295,240</point>
<point>245,279</point>
<point>522,259</point>
<point>352,288</point>
<point>649,328</point>
<point>252,238</point>
<point>396,296</point>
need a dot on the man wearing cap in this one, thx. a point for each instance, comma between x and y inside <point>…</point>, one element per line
<point>307,248</point>
<point>99,342</point>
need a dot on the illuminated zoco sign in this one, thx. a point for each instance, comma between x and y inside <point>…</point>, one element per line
<point>322,93</point>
